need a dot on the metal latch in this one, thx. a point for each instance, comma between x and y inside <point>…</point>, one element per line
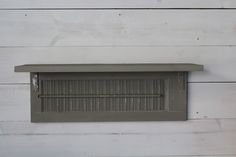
<point>35,82</point>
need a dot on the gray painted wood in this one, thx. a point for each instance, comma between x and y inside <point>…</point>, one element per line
<point>108,67</point>
<point>92,128</point>
<point>120,145</point>
<point>206,100</point>
<point>123,43</point>
<point>50,101</point>
<point>217,67</point>
<point>94,4</point>
<point>117,28</point>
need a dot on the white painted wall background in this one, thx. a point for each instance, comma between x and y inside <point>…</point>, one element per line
<point>102,31</point>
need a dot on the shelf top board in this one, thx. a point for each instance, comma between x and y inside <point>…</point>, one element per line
<point>151,67</point>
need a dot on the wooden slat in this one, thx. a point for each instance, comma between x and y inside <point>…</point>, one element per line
<point>218,61</point>
<point>15,102</point>
<point>132,128</point>
<point>117,4</point>
<point>117,27</point>
<point>212,100</point>
<point>206,100</point>
<point>121,145</point>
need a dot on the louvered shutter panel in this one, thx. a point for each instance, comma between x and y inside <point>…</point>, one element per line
<point>111,94</point>
<point>72,93</point>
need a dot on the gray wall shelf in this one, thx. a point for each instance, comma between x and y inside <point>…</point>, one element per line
<point>107,67</point>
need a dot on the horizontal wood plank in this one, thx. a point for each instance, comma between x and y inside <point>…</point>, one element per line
<point>6,4</point>
<point>118,128</point>
<point>221,143</point>
<point>206,100</point>
<point>219,62</point>
<point>117,27</point>
<point>215,100</point>
<point>14,102</point>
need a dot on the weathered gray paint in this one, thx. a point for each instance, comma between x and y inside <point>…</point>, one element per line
<point>56,98</point>
<point>108,67</point>
<point>173,97</point>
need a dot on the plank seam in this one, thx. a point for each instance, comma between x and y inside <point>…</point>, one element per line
<point>117,133</point>
<point>193,119</point>
<point>217,8</point>
<point>213,82</point>
<point>119,46</point>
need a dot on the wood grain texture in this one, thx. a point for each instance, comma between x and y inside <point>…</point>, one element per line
<point>215,137</point>
<point>215,100</point>
<point>117,27</point>
<point>37,33</point>
<point>206,100</point>
<point>219,62</point>
<point>6,4</point>
<point>14,102</point>
<point>221,143</point>
<point>118,128</point>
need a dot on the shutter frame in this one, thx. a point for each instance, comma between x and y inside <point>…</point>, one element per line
<point>78,95</point>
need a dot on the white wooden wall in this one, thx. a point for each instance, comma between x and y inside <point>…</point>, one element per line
<point>121,31</point>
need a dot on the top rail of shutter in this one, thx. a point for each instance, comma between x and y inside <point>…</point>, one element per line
<point>108,67</point>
